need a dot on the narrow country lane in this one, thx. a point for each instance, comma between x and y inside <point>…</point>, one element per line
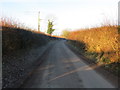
<point>61,68</point>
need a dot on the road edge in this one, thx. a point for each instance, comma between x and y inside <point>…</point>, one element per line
<point>34,66</point>
<point>114,80</point>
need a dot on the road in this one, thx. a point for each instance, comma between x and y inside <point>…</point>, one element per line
<point>61,68</point>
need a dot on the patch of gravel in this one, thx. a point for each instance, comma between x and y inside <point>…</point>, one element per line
<point>17,65</point>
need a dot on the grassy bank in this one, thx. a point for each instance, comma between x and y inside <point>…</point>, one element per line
<point>16,36</point>
<point>99,44</point>
<point>15,39</point>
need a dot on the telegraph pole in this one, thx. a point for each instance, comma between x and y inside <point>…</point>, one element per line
<point>39,21</point>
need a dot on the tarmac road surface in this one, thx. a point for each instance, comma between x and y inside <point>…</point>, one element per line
<point>61,68</point>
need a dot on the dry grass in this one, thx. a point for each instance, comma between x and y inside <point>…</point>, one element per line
<point>12,23</point>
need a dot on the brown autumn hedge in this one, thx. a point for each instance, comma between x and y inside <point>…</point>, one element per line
<point>99,40</point>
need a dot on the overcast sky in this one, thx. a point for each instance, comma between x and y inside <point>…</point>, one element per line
<point>67,14</point>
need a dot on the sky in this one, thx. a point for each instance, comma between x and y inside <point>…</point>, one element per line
<point>66,14</point>
<point>119,13</point>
